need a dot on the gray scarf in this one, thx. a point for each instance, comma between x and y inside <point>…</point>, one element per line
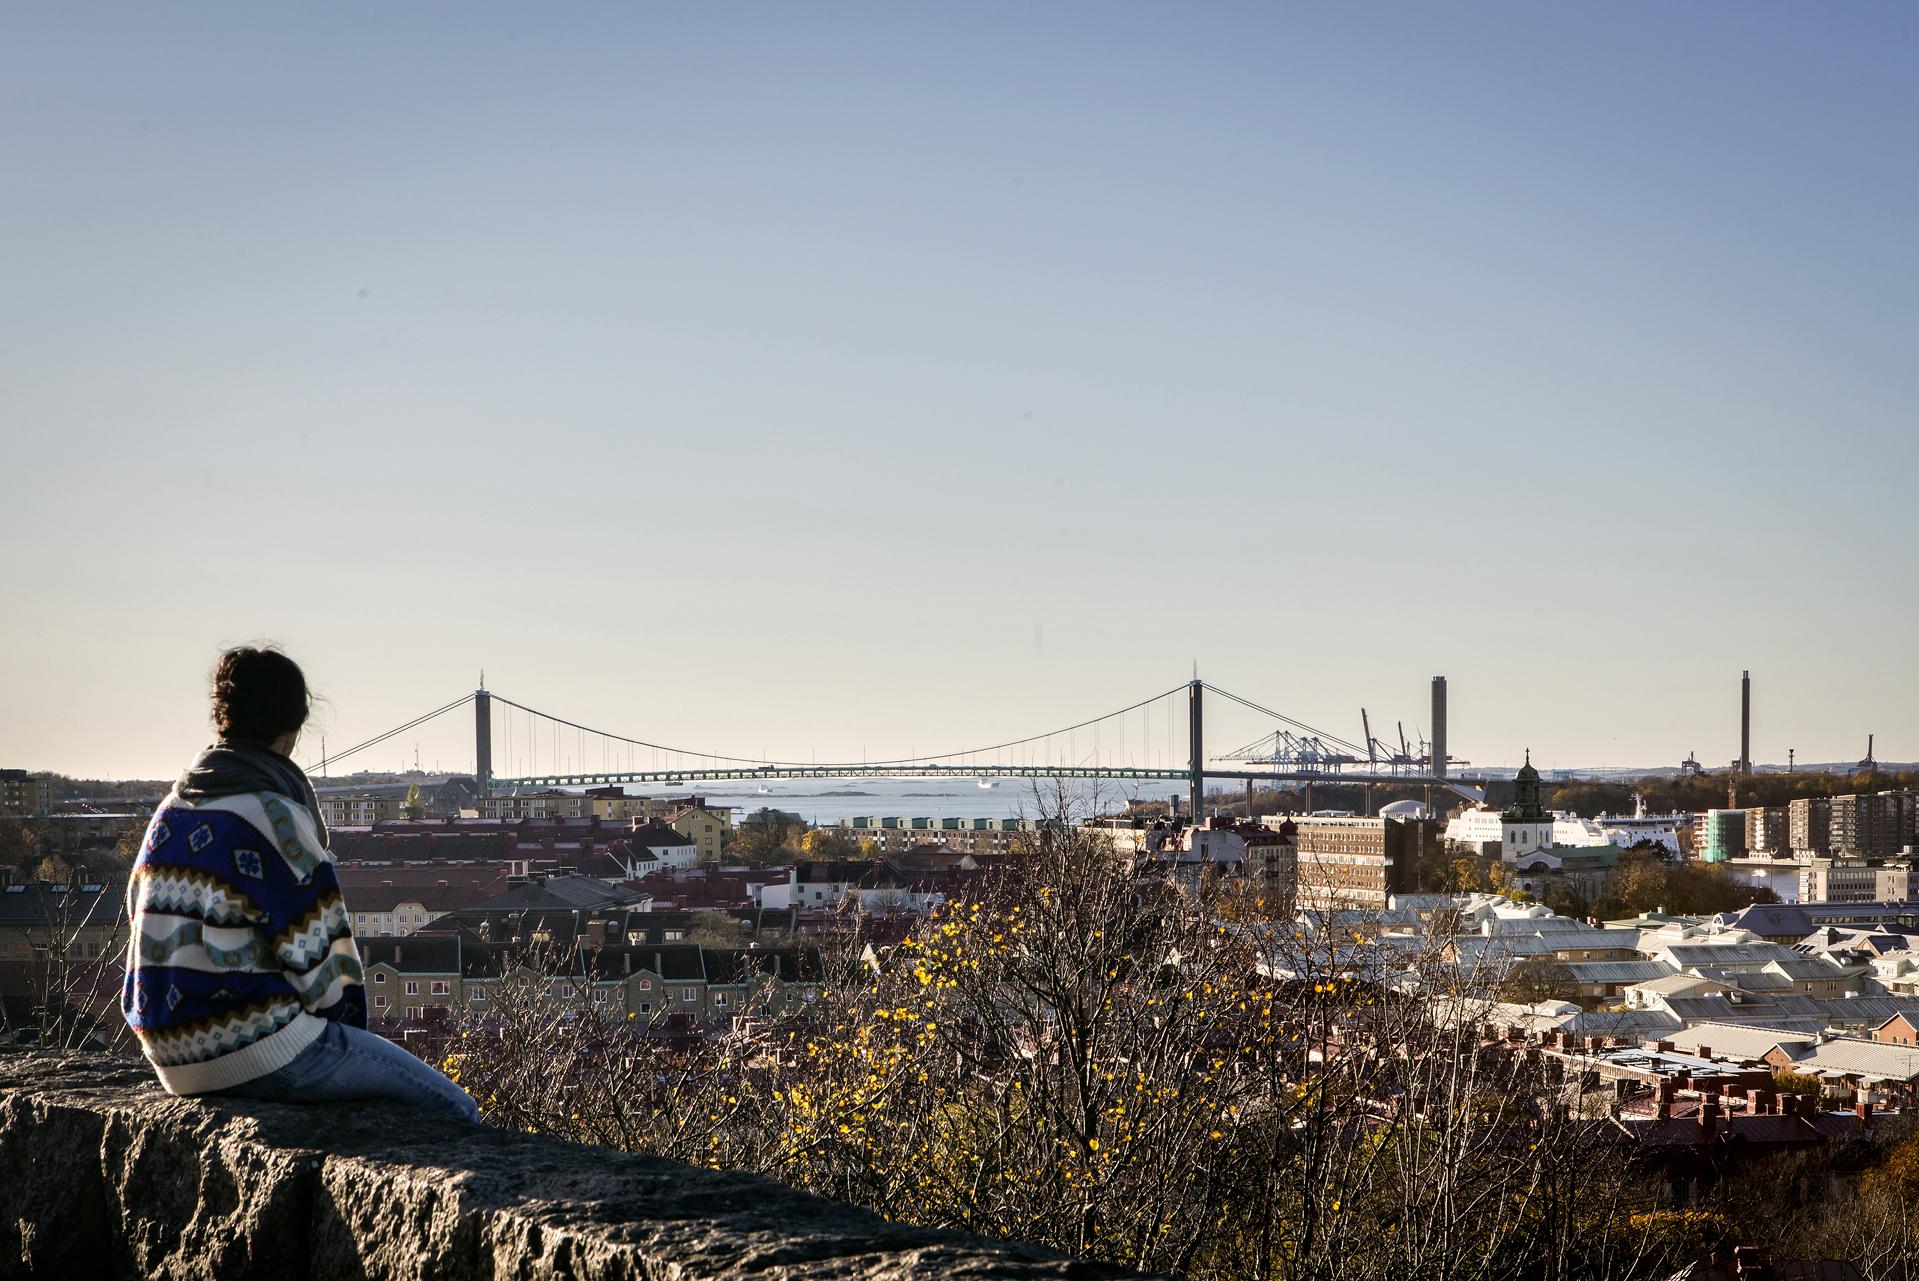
<point>232,767</point>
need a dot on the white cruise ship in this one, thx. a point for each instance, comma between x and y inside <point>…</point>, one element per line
<point>1627,830</point>
<point>1482,828</point>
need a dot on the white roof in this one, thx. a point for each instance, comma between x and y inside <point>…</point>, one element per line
<point>1852,1056</point>
<point>1735,1040</point>
<point>1672,984</point>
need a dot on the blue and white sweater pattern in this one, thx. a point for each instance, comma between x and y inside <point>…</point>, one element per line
<point>242,949</point>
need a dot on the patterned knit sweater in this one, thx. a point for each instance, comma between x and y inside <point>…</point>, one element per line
<point>242,949</point>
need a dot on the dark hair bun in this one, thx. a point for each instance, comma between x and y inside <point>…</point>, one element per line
<point>259,694</point>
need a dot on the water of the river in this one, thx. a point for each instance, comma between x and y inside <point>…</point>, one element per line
<point>830,800</point>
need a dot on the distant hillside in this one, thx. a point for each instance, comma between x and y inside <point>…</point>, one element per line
<point>1670,792</point>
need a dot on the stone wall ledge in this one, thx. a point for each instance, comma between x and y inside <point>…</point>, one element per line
<point>104,1175</point>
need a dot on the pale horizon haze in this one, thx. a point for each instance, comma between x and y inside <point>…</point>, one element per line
<point>838,381</point>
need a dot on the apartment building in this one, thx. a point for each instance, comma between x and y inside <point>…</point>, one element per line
<point>894,835</point>
<point>1809,826</point>
<point>1826,880</point>
<point>362,809</point>
<point>1768,831</point>
<point>1872,825</point>
<point>1356,862</point>
<point>389,901</point>
<point>709,826</point>
<point>22,793</point>
<point>666,847</point>
<point>547,803</point>
<point>1724,833</point>
<point>415,979</point>
<point>613,804</point>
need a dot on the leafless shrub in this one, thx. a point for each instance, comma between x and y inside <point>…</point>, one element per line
<point>65,964</point>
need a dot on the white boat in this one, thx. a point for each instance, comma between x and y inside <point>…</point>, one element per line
<point>1483,828</point>
<point>1628,830</point>
<point>986,782</point>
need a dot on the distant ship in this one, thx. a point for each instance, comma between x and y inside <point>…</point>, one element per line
<point>985,782</point>
<point>1628,830</point>
<point>1483,827</point>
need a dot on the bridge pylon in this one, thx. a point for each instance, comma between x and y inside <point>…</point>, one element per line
<point>483,741</point>
<point>1196,748</point>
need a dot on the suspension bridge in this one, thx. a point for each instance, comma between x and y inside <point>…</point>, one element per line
<point>1138,743</point>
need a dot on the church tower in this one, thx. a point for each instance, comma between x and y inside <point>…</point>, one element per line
<point>1525,827</point>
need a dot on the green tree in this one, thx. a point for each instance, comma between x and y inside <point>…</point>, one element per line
<point>1500,880</point>
<point>17,846</point>
<point>766,836</point>
<point>828,842</point>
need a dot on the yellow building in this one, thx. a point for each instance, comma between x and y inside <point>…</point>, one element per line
<point>612,804</point>
<point>362,809</point>
<point>24,793</point>
<point>707,826</point>
<point>551,803</point>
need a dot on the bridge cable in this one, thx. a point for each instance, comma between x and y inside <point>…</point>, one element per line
<point>398,729</point>
<point>901,760</point>
<point>1334,739</point>
<point>637,742</point>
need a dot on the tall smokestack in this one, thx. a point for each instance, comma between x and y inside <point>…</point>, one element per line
<point>1745,722</point>
<point>1439,726</point>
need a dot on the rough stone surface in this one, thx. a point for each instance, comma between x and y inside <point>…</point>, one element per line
<point>103,1175</point>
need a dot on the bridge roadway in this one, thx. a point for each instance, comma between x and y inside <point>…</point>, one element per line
<point>1472,788</point>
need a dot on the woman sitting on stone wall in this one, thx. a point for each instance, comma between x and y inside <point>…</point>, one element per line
<point>242,976</point>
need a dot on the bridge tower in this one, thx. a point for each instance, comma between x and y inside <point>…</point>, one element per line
<point>483,739</point>
<point>1196,749</point>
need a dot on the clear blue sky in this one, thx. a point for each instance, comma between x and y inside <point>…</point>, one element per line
<point>831,379</point>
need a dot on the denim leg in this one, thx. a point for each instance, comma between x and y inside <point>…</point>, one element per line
<point>281,1084</point>
<point>372,1067</point>
<point>345,1063</point>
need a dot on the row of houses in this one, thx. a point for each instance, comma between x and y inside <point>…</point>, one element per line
<point>426,979</point>
<point>686,835</point>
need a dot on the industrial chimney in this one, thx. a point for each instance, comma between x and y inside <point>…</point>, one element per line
<point>1745,723</point>
<point>1439,726</point>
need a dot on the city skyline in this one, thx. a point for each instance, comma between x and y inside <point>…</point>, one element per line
<point>866,381</point>
<point>445,745</point>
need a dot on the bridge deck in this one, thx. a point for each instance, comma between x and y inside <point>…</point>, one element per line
<point>768,773</point>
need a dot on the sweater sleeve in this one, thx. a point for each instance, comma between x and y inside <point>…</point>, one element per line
<point>308,928</point>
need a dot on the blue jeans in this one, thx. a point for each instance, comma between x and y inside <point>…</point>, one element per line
<point>347,1063</point>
